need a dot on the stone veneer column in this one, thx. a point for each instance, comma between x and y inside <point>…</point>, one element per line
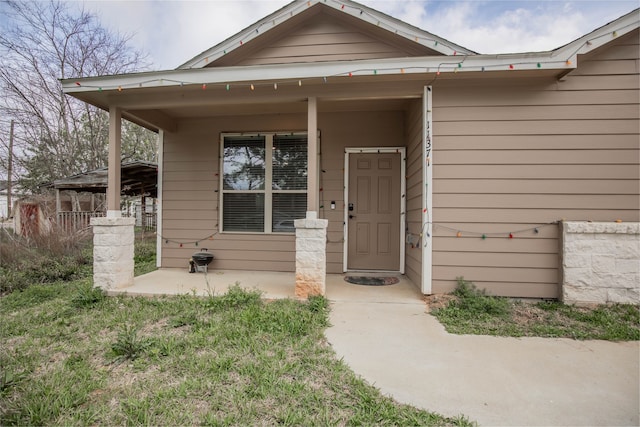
<point>311,255</point>
<point>113,239</point>
<point>600,262</point>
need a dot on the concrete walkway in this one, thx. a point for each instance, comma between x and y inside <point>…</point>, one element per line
<point>407,354</point>
<point>385,335</point>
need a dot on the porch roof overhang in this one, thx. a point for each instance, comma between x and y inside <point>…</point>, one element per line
<point>158,100</point>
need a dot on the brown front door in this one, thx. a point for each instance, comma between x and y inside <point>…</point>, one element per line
<point>374,211</point>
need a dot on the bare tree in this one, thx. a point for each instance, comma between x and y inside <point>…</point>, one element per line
<point>57,135</point>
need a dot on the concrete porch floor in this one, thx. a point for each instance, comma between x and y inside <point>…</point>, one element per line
<point>274,285</point>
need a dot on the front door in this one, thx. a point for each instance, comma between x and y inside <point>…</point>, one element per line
<point>374,211</point>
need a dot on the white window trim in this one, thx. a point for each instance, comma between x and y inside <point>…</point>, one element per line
<point>267,191</point>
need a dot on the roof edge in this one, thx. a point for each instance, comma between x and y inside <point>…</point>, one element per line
<point>600,36</point>
<point>349,7</point>
<point>207,78</point>
<point>563,59</point>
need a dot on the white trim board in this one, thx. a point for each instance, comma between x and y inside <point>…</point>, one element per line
<point>159,200</point>
<point>427,191</point>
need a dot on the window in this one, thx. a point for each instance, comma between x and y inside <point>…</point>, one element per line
<point>264,182</point>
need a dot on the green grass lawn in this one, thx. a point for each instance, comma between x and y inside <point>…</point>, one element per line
<point>470,311</point>
<point>71,356</point>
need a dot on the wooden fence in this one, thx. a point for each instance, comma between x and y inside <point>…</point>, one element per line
<point>71,221</point>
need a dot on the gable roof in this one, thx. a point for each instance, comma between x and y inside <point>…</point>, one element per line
<point>369,22</point>
<point>157,99</point>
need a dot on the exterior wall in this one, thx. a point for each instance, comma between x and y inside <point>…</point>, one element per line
<point>190,197</point>
<point>341,130</point>
<point>413,132</point>
<point>601,262</point>
<point>324,39</point>
<point>191,184</point>
<point>322,34</point>
<point>511,156</point>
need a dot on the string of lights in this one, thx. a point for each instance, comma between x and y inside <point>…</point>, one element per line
<point>453,63</point>
<point>415,240</point>
<point>185,242</point>
<point>380,21</point>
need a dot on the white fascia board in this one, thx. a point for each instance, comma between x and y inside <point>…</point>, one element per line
<point>563,59</point>
<point>599,37</point>
<point>282,73</point>
<point>399,27</point>
<point>351,8</point>
<point>251,32</point>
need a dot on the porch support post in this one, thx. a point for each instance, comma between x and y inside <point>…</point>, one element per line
<point>113,239</point>
<point>311,232</point>
<point>158,207</point>
<point>113,236</point>
<point>312,155</point>
<point>114,165</point>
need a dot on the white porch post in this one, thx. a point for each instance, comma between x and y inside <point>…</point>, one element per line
<point>427,191</point>
<point>311,232</point>
<point>158,207</point>
<point>113,236</point>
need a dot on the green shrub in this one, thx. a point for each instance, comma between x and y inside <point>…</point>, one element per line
<point>129,345</point>
<point>318,303</point>
<point>87,296</point>
<point>476,302</point>
<point>236,297</point>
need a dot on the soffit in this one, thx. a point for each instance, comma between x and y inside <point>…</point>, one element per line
<point>162,107</point>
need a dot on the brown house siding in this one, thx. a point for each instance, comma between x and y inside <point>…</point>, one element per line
<point>341,130</point>
<point>324,40</point>
<point>509,157</point>
<point>327,36</point>
<point>190,197</point>
<point>413,128</point>
<point>191,181</point>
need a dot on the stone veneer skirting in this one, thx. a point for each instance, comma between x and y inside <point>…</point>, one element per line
<point>311,256</point>
<point>600,262</point>
<point>113,241</point>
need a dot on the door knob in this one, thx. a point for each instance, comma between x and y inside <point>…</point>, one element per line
<point>351,216</point>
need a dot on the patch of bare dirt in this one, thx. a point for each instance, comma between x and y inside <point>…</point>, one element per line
<point>437,301</point>
<point>523,313</point>
<point>527,314</point>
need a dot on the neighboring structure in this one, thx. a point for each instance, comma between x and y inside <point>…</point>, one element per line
<point>31,217</point>
<point>417,155</point>
<point>15,195</point>
<point>139,180</point>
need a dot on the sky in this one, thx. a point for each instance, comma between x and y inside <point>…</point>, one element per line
<point>174,31</point>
